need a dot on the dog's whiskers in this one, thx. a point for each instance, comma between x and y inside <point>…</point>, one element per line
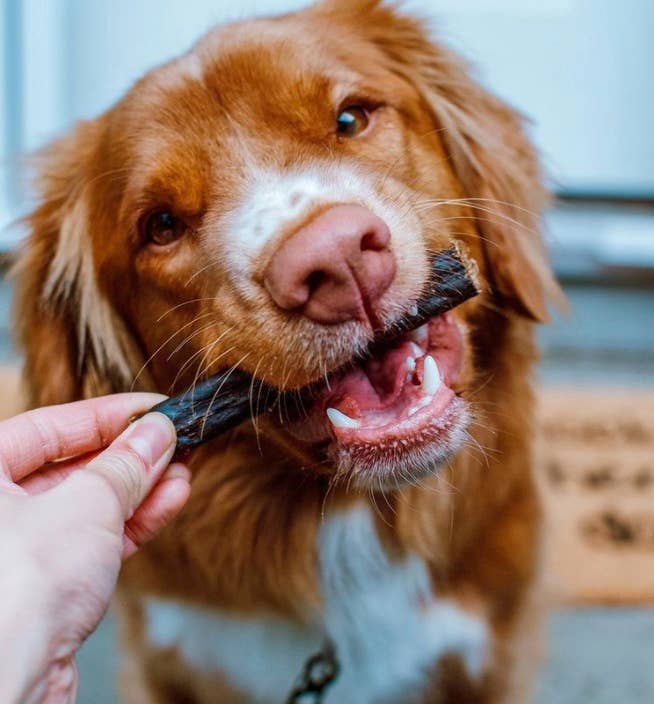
<point>219,389</point>
<point>161,347</point>
<point>253,415</point>
<point>182,304</point>
<point>197,353</point>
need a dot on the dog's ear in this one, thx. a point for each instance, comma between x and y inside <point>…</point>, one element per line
<point>73,343</point>
<point>491,155</point>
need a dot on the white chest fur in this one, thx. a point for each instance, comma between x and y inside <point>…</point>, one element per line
<point>382,616</point>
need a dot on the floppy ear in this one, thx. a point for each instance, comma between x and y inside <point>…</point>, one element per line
<point>74,345</point>
<point>493,159</point>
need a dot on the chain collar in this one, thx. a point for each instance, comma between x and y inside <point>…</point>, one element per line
<point>318,673</point>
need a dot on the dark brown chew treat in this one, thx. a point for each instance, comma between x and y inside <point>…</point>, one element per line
<point>453,279</point>
<point>225,400</point>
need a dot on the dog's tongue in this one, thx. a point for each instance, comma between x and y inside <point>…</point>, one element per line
<point>373,385</point>
<point>394,387</point>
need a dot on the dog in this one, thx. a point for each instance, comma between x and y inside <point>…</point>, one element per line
<point>269,201</point>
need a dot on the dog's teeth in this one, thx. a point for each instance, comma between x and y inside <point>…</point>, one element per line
<point>416,350</point>
<point>340,420</point>
<point>411,366</point>
<point>413,310</point>
<point>420,334</point>
<point>431,378</point>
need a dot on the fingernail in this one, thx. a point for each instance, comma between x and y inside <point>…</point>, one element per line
<point>151,437</point>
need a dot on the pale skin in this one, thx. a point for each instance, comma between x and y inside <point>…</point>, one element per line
<point>80,490</point>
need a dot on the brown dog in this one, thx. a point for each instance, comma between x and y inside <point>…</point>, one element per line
<point>268,201</point>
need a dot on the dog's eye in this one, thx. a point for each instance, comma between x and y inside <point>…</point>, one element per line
<point>163,227</point>
<point>351,121</point>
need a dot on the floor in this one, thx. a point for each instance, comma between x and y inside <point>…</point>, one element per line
<point>599,656</point>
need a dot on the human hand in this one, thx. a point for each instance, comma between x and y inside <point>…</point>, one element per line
<point>71,509</point>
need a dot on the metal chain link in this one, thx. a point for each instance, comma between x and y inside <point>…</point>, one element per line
<point>319,672</point>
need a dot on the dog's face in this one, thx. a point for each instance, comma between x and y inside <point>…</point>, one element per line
<point>271,201</point>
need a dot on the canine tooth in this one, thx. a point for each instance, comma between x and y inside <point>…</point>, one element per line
<point>420,334</point>
<point>340,420</point>
<point>416,349</point>
<point>431,378</point>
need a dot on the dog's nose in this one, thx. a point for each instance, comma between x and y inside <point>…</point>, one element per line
<point>334,268</point>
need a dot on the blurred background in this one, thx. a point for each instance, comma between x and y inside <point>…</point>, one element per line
<point>581,70</point>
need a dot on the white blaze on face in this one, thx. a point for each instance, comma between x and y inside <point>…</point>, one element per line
<point>388,628</point>
<point>272,203</point>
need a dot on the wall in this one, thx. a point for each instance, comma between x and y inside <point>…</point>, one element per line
<point>579,68</point>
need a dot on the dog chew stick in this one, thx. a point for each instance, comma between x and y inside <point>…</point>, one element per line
<point>225,400</point>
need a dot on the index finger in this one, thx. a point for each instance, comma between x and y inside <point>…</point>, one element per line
<point>34,438</point>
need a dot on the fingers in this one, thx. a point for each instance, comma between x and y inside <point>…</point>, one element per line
<point>162,504</point>
<point>53,474</point>
<point>135,461</point>
<point>30,440</point>
<point>8,487</point>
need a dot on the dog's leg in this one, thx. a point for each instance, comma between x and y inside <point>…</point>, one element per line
<point>146,677</point>
<point>150,675</point>
<point>509,592</point>
<point>507,679</point>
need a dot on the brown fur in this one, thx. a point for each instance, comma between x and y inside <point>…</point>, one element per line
<point>95,309</point>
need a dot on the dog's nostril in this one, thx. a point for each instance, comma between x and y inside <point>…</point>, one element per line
<point>315,279</point>
<point>369,241</point>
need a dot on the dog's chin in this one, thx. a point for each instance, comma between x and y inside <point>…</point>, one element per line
<point>394,418</point>
<point>403,460</point>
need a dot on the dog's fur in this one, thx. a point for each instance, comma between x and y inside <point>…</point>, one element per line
<point>224,137</point>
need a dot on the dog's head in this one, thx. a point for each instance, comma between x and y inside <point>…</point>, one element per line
<point>270,200</point>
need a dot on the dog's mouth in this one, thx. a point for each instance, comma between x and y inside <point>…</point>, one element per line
<point>394,405</point>
<point>392,394</point>
<point>393,411</point>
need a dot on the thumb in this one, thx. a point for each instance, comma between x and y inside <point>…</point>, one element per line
<point>135,460</point>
